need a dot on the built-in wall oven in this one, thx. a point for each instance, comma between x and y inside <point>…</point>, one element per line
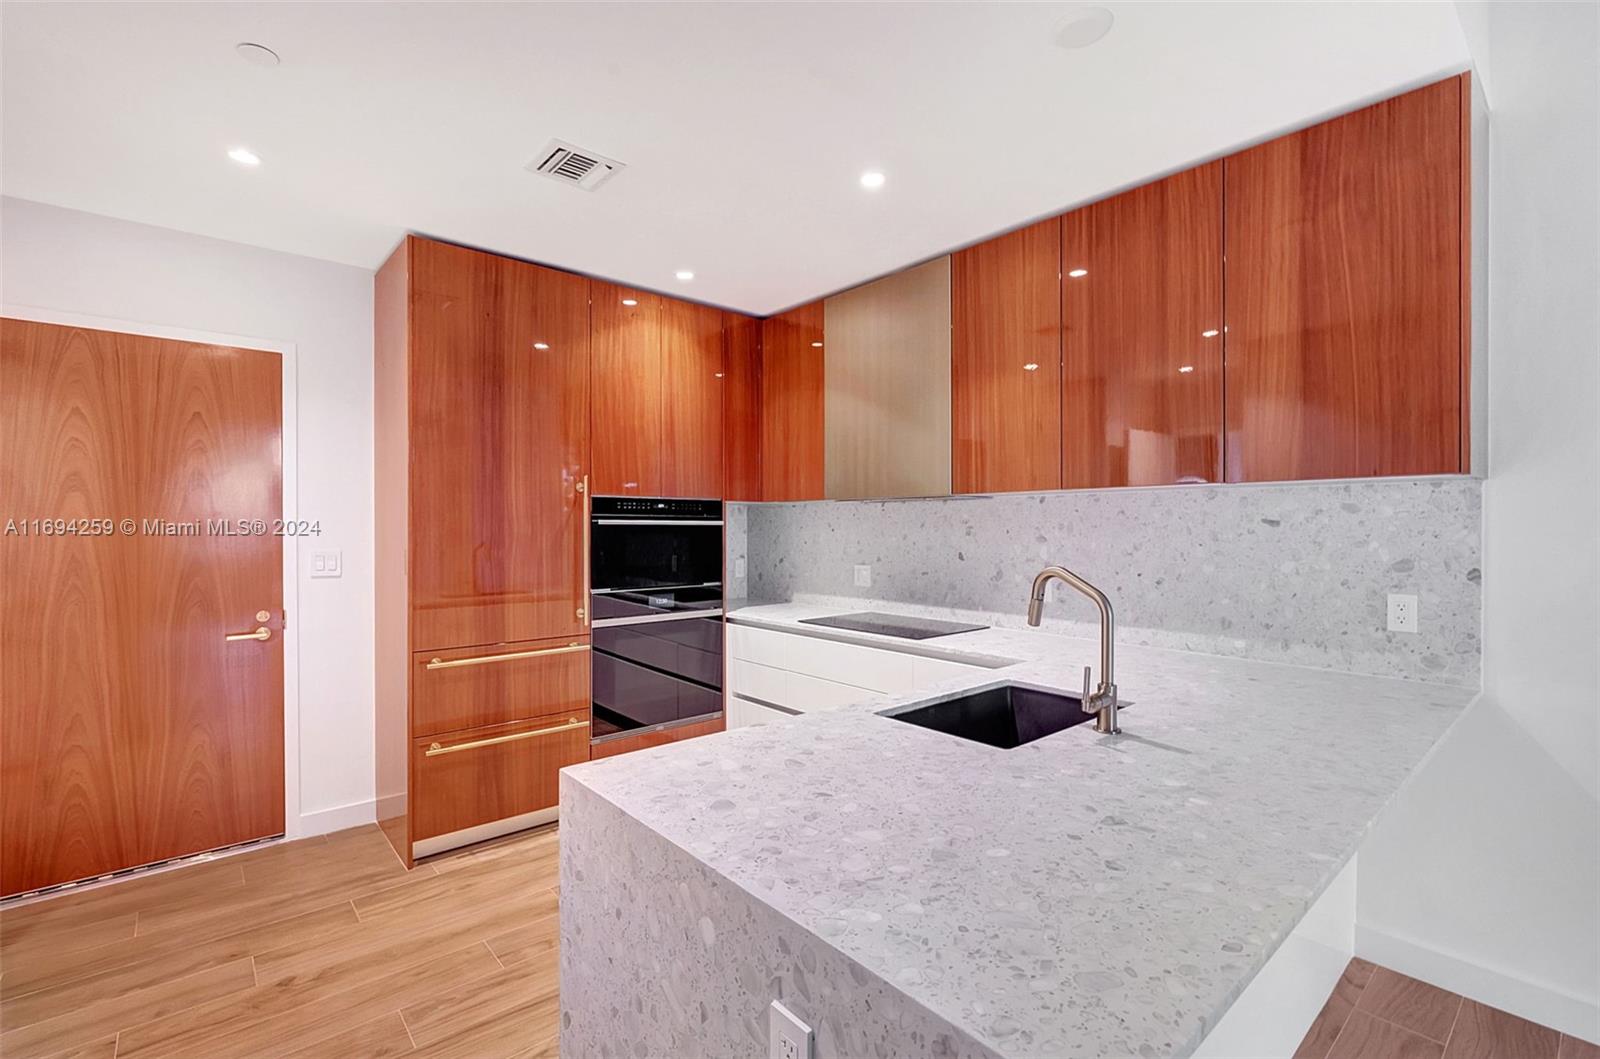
<point>656,605</point>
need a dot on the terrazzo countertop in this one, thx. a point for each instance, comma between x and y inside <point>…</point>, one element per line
<point>1079,895</point>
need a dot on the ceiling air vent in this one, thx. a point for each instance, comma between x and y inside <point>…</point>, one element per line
<point>573,165</point>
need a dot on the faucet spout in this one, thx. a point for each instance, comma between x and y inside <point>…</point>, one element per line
<point>1102,702</point>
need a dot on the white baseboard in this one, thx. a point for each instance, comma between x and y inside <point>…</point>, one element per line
<point>338,818</point>
<point>1575,1016</point>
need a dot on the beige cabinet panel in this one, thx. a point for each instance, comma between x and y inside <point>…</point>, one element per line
<point>886,348</point>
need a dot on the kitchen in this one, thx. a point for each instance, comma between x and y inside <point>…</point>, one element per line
<point>1135,602</point>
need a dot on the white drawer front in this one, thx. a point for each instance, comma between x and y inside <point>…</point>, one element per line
<point>796,691</point>
<point>765,646</point>
<point>841,663</point>
<point>758,681</point>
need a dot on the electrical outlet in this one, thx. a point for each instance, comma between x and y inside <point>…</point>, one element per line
<point>863,576</point>
<point>327,564</point>
<point>1402,613</point>
<point>787,1036</point>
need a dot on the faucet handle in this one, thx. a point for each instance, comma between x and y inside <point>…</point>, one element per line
<point>1083,703</point>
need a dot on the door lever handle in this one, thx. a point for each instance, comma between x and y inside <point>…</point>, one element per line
<point>263,633</point>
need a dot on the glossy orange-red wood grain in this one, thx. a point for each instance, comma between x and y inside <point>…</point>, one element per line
<point>131,731</point>
<point>742,407</point>
<point>1143,352</point>
<point>482,784</point>
<point>792,425</point>
<point>502,691</point>
<point>659,737</point>
<point>1005,362</point>
<point>692,379</point>
<point>1344,295</point>
<point>628,416</point>
<point>498,448</point>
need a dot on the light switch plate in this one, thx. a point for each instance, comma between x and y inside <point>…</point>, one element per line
<point>1402,613</point>
<point>738,567</point>
<point>863,576</point>
<point>787,1036</point>
<point>327,564</point>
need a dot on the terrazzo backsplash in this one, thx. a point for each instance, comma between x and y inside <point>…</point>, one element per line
<point>1296,573</point>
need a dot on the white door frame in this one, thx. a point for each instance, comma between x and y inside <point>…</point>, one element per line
<point>291,503</point>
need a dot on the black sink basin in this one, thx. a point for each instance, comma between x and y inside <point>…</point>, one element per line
<point>1006,717</point>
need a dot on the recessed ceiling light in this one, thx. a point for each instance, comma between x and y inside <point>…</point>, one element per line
<point>256,54</point>
<point>684,274</point>
<point>872,180</point>
<point>245,156</point>
<point>1030,366</point>
<point>630,301</point>
<point>816,345</point>
<point>1084,25</point>
<point>1078,273</point>
<point>1210,334</point>
<point>541,345</point>
<point>1186,369</point>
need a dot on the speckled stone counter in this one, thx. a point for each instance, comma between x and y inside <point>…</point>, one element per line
<point>911,893</point>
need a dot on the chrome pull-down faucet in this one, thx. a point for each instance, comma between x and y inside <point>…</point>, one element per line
<point>1102,702</point>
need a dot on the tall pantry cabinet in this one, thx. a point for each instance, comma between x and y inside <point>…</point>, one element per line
<point>482,417</point>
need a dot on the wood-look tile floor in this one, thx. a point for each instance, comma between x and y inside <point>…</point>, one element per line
<point>325,947</point>
<point>1376,1013</point>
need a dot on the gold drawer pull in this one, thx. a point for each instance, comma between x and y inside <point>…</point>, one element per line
<point>480,660</point>
<point>435,750</point>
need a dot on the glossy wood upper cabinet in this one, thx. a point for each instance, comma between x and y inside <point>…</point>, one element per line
<point>1005,362</point>
<point>888,386</point>
<point>692,371</point>
<point>628,375</point>
<point>741,340</point>
<point>1142,312</point>
<point>1345,337</point>
<point>792,422</point>
<point>499,417</point>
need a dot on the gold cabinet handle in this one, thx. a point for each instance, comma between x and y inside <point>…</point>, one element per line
<point>583,611</point>
<point>262,633</point>
<point>482,660</point>
<point>434,750</point>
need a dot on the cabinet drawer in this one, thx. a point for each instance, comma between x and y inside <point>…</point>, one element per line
<point>842,663</point>
<point>929,671</point>
<point>486,774</point>
<point>742,713</point>
<point>797,691</point>
<point>479,686</point>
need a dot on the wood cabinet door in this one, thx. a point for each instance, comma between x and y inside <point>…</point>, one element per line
<point>1142,313</point>
<point>792,424</point>
<point>141,657</point>
<point>499,430</point>
<point>1005,362</point>
<point>742,407</point>
<point>692,377</point>
<point>628,377</point>
<point>1345,297</point>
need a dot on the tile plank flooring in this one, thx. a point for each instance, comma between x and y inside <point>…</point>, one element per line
<point>324,948</point>
<point>1376,1013</point>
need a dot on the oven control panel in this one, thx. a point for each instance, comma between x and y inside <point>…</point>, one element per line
<point>646,507</point>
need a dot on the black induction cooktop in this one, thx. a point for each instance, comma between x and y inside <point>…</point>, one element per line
<point>893,625</point>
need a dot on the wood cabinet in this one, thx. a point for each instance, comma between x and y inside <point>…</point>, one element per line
<point>792,425</point>
<point>1005,362</point>
<point>482,426</point>
<point>1346,349</point>
<point>627,371</point>
<point>741,340</point>
<point>1142,318</point>
<point>692,359</point>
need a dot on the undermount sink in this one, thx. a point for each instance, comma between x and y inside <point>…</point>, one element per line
<point>1004,717</point>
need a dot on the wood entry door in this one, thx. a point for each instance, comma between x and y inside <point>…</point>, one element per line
<point>136,722</point>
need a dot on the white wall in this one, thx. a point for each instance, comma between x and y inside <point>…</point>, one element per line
<point>1486,877</point>
<point>83,263</point>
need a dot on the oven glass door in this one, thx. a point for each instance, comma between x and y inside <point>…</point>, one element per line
<point>659,670</point>
<point>664,553</point>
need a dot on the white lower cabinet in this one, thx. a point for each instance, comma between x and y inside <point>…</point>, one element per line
<point>741,713</point>
<point>803,673</point>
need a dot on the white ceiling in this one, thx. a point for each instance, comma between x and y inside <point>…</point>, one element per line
<point>744,126</point>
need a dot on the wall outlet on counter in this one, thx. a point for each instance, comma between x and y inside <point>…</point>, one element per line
<point>1402,613</point>
<point>863,576</point>
<point>787,1036</point>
